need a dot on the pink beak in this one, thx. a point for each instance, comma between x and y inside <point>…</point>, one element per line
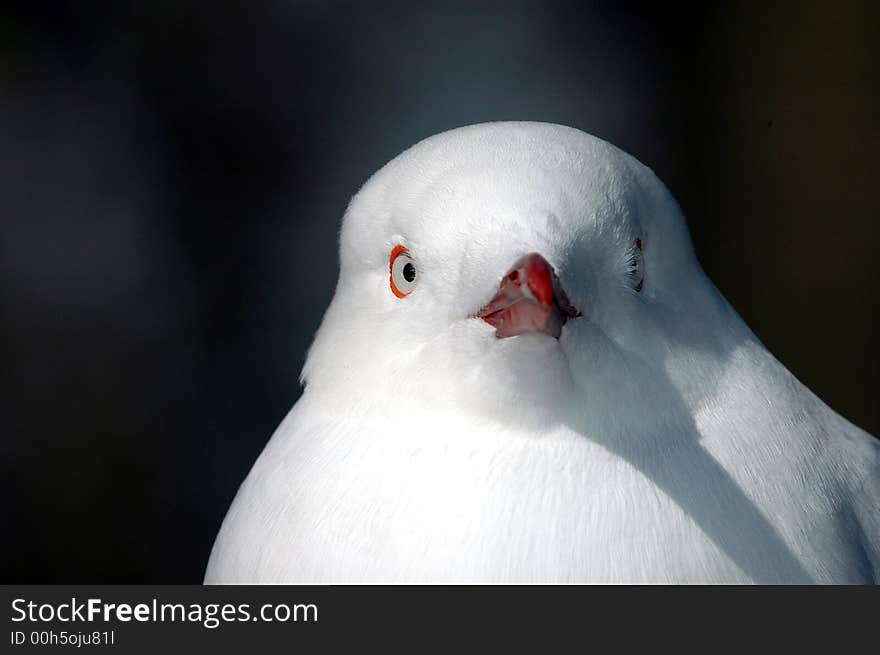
<point>530,299</point>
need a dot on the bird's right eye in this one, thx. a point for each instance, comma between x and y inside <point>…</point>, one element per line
<point>636,268</point>
<point>403,272</point>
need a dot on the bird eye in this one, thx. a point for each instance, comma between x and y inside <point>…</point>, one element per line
<point>403,272</point>
<point>636,269</point>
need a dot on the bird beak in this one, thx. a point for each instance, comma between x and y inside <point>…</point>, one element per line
<point>529,299</point>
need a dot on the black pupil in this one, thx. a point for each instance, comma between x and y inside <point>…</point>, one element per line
<point>409,272</point>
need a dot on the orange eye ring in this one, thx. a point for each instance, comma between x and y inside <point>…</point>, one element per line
<point>401,272</point>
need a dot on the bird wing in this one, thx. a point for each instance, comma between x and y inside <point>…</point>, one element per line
<point>865,498</point>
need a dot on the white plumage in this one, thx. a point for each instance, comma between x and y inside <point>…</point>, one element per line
<point>656,440</point>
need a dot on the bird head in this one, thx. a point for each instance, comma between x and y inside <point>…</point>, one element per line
<point>507,265</point>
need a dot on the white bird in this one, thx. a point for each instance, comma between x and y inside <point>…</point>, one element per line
<point>525,376</point>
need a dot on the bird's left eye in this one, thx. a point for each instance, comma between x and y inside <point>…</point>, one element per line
<point>403,272</point>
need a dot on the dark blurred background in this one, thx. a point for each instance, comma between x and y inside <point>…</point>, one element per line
<point>173,176</point>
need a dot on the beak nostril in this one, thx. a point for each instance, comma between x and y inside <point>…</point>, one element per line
<point>513,276</point>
